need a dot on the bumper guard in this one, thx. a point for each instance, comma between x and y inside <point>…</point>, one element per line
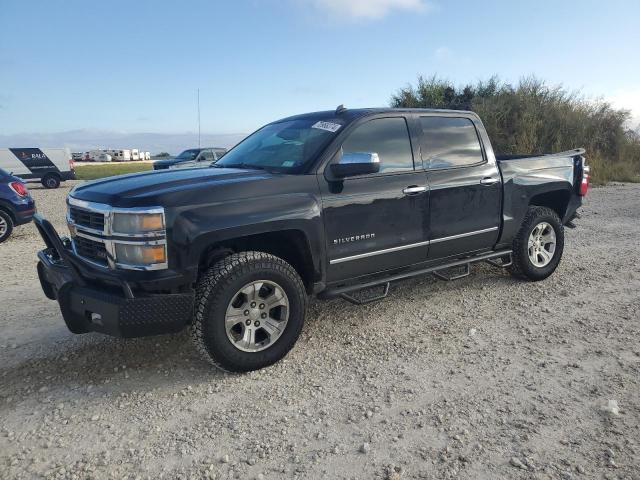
<point>109,308</point>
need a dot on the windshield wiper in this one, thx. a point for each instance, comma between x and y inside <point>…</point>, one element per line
<point>243,165</point>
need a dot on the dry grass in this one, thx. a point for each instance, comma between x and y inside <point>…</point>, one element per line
<point>92,172</point>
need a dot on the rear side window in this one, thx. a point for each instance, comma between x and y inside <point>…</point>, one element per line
<point>389,138</point>
<point>450,142</point>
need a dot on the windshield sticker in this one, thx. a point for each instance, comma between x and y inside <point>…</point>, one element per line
<point>288,163</point>
<point>328,126</point>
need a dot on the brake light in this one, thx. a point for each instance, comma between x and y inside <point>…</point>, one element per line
<point>19,188</point>
<point>72,164</point>
<point>584,182</point>
<point>584,185</point>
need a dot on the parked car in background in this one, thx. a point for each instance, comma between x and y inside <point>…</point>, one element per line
<point>328,203</point>
<point>48,165</point>
<point>16,205</point>
<point>192,158</point>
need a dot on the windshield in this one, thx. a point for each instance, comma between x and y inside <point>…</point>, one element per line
<point>284,146</point>
<point>188,154</point>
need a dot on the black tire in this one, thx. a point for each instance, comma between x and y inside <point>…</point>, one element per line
<point>51,180</point>
<point>6,224</point>
<point>523,266</point>
<point>216,289</point>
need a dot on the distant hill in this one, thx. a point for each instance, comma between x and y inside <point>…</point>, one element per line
<point>82,140</point>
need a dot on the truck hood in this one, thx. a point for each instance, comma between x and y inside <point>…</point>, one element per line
<point>170,188</point>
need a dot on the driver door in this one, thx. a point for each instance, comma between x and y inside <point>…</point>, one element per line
<point>377,221</point>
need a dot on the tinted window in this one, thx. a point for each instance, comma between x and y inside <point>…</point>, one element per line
<point>450,142</point>
<point>389,138</point>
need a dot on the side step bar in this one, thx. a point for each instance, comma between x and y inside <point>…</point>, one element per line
<point>344,292</point>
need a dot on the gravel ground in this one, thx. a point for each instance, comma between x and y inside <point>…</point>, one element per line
<point>486,377</point>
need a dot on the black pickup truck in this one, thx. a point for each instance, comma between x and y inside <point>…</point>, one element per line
<point>334,203</point>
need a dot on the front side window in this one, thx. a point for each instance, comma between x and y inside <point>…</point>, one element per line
<point>450,142</point>
<point>190,154</point>
<point>389,138</point>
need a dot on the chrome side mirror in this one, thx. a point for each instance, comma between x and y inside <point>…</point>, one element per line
<point>356,163</point>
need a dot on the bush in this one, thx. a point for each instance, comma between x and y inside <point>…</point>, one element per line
<point>533,118</point>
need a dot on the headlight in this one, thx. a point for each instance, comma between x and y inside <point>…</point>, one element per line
<point>141,255</point>
<point>139,251</point>
<point>137,223</point>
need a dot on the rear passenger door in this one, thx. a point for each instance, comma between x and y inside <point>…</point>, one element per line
<point>377,221</point>
<point>465,187</point>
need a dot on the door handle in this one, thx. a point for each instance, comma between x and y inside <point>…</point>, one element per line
<point>489,181</point>
<point>414,190</point>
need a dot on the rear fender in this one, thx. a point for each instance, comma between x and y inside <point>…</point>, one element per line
<point>526,187</point>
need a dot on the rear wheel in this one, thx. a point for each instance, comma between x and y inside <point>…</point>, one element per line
<point>6,225</point>
<point>538,246</point>
<point>250,308</point>
<point>51,181</point>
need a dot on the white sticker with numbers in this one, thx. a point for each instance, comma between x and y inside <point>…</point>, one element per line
<point>328,126</point>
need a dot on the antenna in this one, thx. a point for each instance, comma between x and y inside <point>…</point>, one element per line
<point>341,108</point>
<point>198,118</point>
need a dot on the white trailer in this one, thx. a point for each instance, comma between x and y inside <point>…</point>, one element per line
<point>120,155</point>
<point>92,155</point>
<point>48,165</point>
<point>135,155</point>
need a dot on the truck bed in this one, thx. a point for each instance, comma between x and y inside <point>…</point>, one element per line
<point>563,166</point>
<point>528,179</point>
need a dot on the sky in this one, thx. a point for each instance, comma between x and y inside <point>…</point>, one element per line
<point>82,73</point>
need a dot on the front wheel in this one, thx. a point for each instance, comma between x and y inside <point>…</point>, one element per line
<point>538,246</point>
<point>250,308</point>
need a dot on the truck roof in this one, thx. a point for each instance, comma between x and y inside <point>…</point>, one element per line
<point>351,114</point>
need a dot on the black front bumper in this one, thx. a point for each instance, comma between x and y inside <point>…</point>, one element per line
<point>106,305</point>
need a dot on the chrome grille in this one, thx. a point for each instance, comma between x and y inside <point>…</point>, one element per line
<point>90,249</point>
<point>87,218</point>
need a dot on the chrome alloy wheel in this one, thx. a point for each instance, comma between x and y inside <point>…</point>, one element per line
<point>3,227</point>
<point>257,315</point>
<point>542,244</point>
